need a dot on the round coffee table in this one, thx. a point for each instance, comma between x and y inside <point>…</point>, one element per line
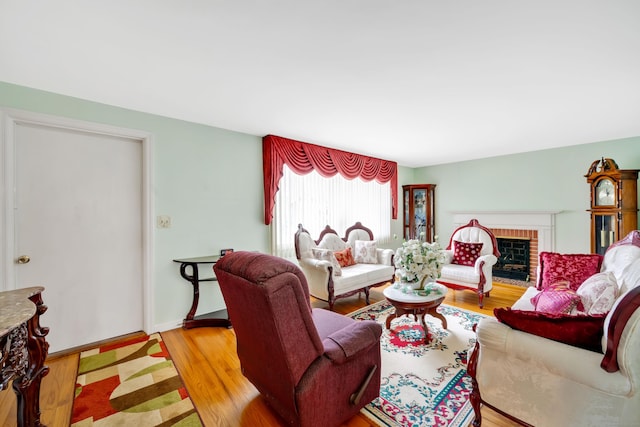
<point>418,305</point>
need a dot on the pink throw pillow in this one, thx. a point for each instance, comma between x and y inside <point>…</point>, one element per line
<point>345,257</point>
<point>574,268</point>
<point>466,253</point>
<point>557,299</point>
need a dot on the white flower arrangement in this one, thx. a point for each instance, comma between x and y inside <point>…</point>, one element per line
<point>415,260</point>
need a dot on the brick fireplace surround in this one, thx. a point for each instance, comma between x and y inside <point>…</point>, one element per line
<point>537,226</point>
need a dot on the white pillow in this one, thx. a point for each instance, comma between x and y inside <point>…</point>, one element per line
<point>366,252</point>
<point>327,255</point>
<point>630,277</point>
<point>598,293</point>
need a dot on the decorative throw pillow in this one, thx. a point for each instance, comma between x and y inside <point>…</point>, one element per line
<point>630,277</point>
<point>598,293</point>
<point>366,251</point>
<point>466,253</point>
<point>327,255</point>
<point>574,268</point>
<point>578,331</point>
<point>345,257</point>
<point>557,299</point>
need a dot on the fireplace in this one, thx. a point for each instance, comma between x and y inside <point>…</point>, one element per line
<point>514,259</point>
<point>535,227</point>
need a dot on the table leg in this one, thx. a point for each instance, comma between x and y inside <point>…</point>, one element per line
<point>27,387</point>
<point>390,317</point>
<point>195,283</point>
<point>218,318</point>
<point>434,313</point>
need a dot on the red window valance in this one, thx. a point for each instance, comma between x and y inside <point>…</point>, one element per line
<point>302,158</point>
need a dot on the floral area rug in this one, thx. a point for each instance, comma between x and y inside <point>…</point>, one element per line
<point>131,383</point>
<point>423,385</point>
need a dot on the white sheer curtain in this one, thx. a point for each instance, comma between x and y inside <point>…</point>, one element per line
<point>315,201</point>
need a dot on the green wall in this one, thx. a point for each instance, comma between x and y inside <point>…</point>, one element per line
<point>546,180</point>
<point>209,181</point>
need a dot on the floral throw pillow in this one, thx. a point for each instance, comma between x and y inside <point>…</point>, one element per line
<point>558,298</point>
<point>345,257</point>
<point>598,293</point>
<point>573,268</point>
<point>327,255</point>
<point>466,253</point>
<point>366,252</point>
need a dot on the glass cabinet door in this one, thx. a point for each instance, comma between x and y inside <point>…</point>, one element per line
<point>419,212</point>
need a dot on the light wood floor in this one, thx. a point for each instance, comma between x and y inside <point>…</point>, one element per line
<point>207,362</point>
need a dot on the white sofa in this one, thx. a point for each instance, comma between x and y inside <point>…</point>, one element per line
<point>324,283</point>
<point>543,382</point>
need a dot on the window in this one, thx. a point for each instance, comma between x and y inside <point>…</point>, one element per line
<point>315,201</point>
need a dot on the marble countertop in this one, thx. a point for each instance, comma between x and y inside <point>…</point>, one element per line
<point>432,292</point>
<point>16,308</point>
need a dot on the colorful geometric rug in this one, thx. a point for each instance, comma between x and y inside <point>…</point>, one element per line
<point>423,385</point>
<point>131,383</point>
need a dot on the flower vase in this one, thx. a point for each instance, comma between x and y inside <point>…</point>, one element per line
<point>419,285</point>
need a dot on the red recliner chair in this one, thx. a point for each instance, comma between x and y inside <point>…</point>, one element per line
<point>313,366</point>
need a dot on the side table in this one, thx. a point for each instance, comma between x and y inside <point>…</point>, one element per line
<point>417,305</point>
<point>216,318</point>
<point>23,350</point>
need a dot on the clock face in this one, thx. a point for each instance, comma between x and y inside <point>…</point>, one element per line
<point>605,192</point>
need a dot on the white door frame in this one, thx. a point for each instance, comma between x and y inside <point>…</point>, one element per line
<point>9,119</point>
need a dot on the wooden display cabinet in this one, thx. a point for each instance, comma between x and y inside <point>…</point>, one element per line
<point>614,203</point>
<point>419,212</point>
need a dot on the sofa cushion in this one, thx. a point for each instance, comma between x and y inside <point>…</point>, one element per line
<point>579,331</point>
<point>345,257</point>
<point>574,268</point>
<point>556,299</point>
<point>366,252</point>
<point>598,293</point>
<point>466,253</point>
<point>461,273</point>
<point>357,275</point>
<point>327,255</point>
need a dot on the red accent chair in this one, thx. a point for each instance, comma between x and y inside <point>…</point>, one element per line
<point>313,366</point>
<point>478,275</point>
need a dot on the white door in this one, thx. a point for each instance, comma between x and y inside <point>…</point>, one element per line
<point>78,217</point>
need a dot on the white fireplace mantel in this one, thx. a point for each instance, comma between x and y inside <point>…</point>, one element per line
<point>544,222</point>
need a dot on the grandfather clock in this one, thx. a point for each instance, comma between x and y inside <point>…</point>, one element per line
<point>419,212</point>
<point>614,203</point>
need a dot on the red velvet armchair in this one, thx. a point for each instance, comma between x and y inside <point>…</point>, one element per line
<point>314,367</point>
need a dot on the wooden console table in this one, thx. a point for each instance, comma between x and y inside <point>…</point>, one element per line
<point>23,350</point>
<point>216,318</point>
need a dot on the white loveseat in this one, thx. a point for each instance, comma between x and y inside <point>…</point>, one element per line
<point>327,284</point>
<point>545,382</point>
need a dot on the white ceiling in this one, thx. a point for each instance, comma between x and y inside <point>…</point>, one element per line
<point>421,82</point>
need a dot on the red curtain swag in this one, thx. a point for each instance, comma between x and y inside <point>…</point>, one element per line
<point>302,158</point>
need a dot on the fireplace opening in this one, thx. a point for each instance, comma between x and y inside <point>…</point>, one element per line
<point>514,260</point>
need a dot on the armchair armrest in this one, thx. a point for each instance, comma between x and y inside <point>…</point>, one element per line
<point>385,256</point>
<point>351,340</point>
<point>546,356</point>
<point>448,256</point>
<point>314,263</point>
<point>485,260</point>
